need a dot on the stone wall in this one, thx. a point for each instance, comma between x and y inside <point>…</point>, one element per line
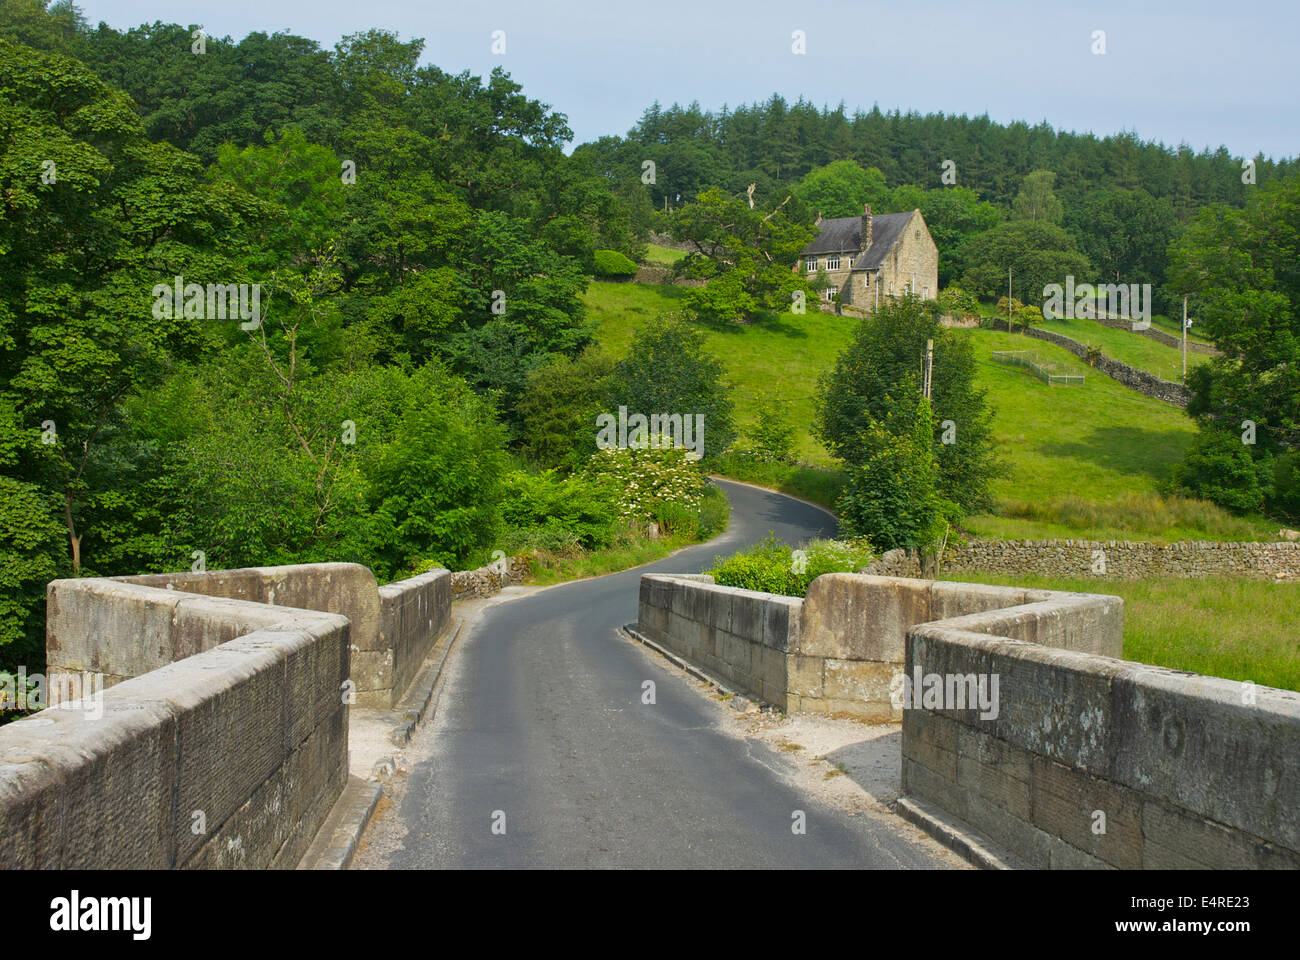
<point>485,581</point>
<point>835,652</point>
<point>1168,339</point>
<point>1077,760</point>
<point>1093,762</point>
<point>654,273</point>
<point>380,670</point>
<point>1124,560</point>
<point>231,757</point>
<point>747,639</point>
<point>413,614</point>
<point>916,258</point>
<point>1133,378</point>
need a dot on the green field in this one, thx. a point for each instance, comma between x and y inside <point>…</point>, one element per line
<point>663,255</point>
<point>1238,629</point>
<point>1082,461</point>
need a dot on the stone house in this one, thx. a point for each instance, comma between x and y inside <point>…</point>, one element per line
<point>870,257</point>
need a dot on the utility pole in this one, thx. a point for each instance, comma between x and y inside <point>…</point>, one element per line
<point>1008,299</point>
<point>1184,339</point>
<point>929,367</point>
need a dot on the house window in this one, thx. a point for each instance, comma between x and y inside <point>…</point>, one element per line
<point>833,263</point>
<point>812,264</point>
<point>830,292</point>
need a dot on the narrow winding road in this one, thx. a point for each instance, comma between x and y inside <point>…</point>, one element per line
<point>540,722</point>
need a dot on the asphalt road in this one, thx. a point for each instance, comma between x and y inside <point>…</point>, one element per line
<point>541,721</point>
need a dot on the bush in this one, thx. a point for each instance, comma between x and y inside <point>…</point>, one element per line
<point>559,409</point>
<point>1219,467</point>
<point>571,509</point>
<point>770,438</point>
<point>640,481</point>
<point>705,519</point>
<point>877,374</point>
<point>771,566</point>
<point>435,488</point>
<point>611,263</point>
<point>892,496</point>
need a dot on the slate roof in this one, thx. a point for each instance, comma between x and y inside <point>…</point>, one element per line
<point>843,234</point>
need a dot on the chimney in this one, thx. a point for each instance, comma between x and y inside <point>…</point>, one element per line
<point>866,226</point>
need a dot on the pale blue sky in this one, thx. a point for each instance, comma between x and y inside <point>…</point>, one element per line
<point>1195,71</point>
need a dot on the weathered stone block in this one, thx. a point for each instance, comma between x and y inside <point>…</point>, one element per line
<point>102,626</point>
<point>925,784</point>
<point>931,740</point>
<point>993,768</point>
<point>959,599</point>
<point>781,617</point>
<point>1065,803</point>
<point>804,675</point>
<point>859,617</point>
<point>1195,743</point>
<point>863,680</point>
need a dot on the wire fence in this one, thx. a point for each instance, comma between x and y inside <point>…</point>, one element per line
<point>1032,362</point>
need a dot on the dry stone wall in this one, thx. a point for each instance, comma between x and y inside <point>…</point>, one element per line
<point>1168,339</point>
<point>1114,559</point>
<point>486,581</point>
<point>1144,383</point>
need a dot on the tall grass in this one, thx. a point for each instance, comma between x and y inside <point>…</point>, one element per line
<point>1130,516</point>
<point>1220,627</point>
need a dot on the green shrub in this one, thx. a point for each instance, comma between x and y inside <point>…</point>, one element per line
<point>879,371</point>
<point>30,547</point>
<point>1219,467</point>
<point>667,370</point>
<point>573,505</point>
<point>714,512</point>
<point>892,497</point>
<point>559,408</point>
<point>611,263</point>
<point>771,566</point>
<point>770,438</point>
<point>640,481</point>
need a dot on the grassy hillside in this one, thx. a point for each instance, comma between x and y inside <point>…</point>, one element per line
<point>1082,462</point>
<point>779,360</point>
<point>663,255</point>
<point>1128,347</point>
